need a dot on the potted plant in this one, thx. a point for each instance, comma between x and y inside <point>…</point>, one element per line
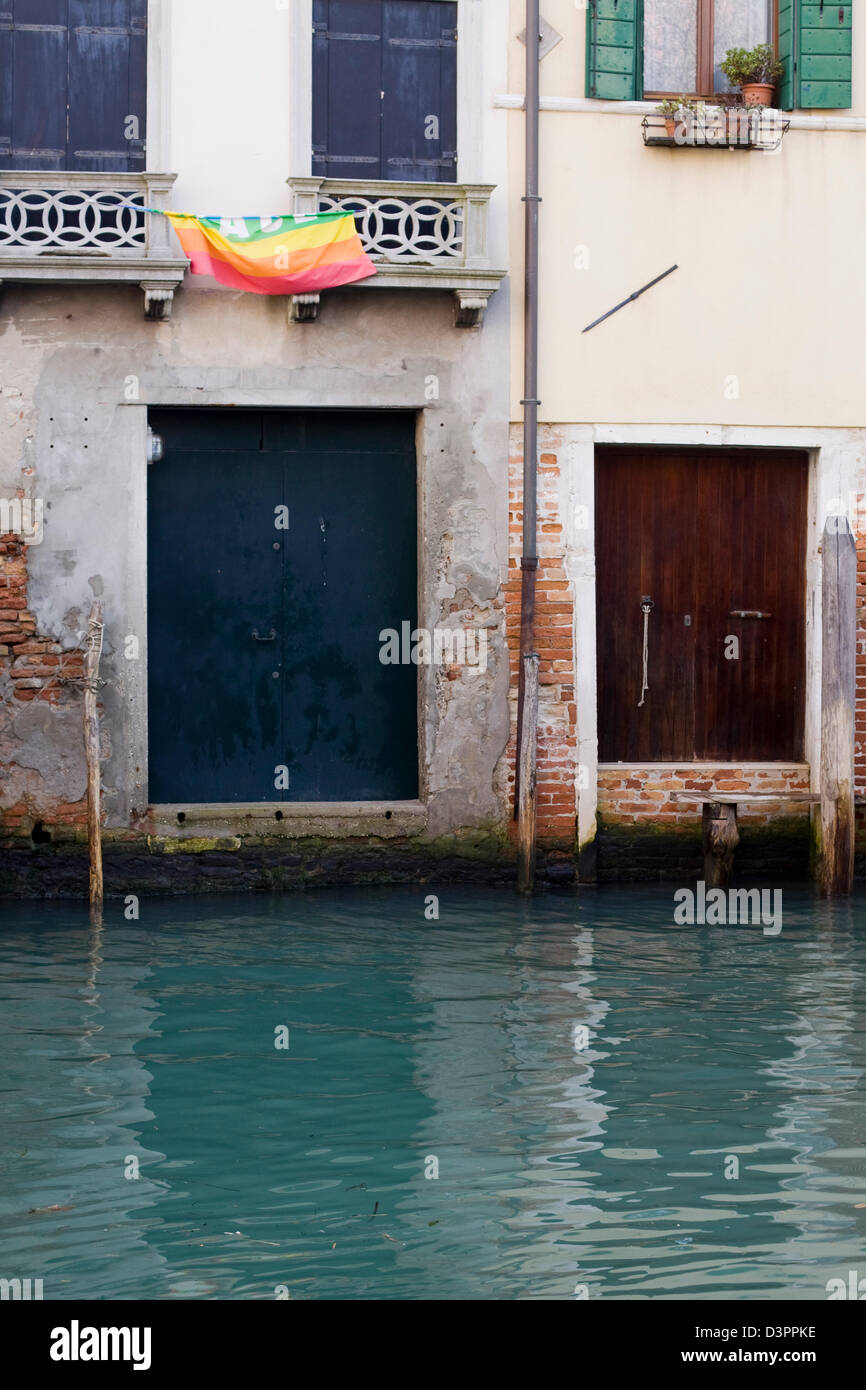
<point>755,71</point>
<point>674,109</point>
<point>669,108</point>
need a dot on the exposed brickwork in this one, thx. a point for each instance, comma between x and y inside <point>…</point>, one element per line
<point>629,794</point>
<point>32,667</point>
<point>554,641</point>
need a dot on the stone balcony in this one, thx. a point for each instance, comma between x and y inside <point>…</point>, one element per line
<point>73,227</point>
<point>427,236</point>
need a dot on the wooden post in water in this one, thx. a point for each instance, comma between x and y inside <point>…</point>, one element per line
<point>92,653</point>
<point>526,777</point>
<point>835,860</point>
<point>721,838</point>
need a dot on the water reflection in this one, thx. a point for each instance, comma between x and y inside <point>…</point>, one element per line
<point>568,1098</point>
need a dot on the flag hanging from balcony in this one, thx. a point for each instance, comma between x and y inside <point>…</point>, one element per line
<point>275,255</point>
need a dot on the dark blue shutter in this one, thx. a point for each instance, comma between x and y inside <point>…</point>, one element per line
<point>347,81</point>
<point>419,106</point>
<point>33,58</point>
<point>107,84</point>
<point>385,89</point>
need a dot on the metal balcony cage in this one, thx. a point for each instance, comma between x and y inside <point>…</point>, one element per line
<point>717,127</point>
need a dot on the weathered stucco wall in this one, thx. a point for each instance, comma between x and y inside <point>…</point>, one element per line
<point>79,368</point>
<point>762,322</point>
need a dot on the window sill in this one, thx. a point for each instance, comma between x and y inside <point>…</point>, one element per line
<point>799,120</point>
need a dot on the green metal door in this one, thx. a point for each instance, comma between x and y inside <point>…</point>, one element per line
<point>280,544</point>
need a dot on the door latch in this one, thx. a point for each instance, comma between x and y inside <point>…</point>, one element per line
<point>748,613</point>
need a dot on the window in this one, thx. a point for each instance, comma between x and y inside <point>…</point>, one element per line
<point>72,84</point>
<point>385,90</point>
<point>638,48</point>
<point>685,40</point>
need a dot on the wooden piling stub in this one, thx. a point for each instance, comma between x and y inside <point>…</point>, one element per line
<point>721,838</point>
<point>526,773</point>
<point>92,653</point>
<point>835,858</point>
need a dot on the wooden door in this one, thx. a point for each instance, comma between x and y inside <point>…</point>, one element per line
<point>706,535</point>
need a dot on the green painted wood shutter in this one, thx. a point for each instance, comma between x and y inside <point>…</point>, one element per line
<point>614,49</point>
<point>815,46</point>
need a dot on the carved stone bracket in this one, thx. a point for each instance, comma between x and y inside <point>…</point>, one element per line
<point>158,297</point>
<point>303,308</point>
<point>469,308</point>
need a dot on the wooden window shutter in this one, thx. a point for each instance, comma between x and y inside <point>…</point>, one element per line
<point>72,73</point>
<point>347,80</point>
<point>419,85</point>
<point>614,50</point>
<point>107,85</point>
<point>33,66</point>
<point>385,89</point>
<point>815,46</point>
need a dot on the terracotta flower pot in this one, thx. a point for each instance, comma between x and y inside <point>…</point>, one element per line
<point>670,126</point>
<point>758,93</point>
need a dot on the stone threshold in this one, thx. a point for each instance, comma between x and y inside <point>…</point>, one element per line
<point>292,819</point>
<point>703,765</point>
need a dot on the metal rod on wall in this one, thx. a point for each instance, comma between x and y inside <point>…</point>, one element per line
<point>527,729</point>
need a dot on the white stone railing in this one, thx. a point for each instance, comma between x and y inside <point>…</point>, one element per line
<point>71,219</point>
<point>400,228</point>
<point>93,227</point>
<point>420,235</point>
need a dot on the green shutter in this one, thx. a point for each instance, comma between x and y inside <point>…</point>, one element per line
<point>614,49</point>
<point>786,53</point>
<point>815,46</point>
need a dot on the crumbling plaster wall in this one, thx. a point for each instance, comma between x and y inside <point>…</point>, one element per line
<point>79,367</point>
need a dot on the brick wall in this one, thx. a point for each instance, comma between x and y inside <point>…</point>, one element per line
<point>32,667</point>
<point>629,794</point>
<point>554,642</point>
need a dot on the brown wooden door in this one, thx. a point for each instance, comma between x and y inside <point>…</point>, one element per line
<point>704,534</point>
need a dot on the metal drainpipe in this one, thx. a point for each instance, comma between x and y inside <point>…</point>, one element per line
<point>531,199</point>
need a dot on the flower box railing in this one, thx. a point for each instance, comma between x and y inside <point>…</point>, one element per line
<point>717,127</point>
<point>91,228</point>
<point>419,235</point>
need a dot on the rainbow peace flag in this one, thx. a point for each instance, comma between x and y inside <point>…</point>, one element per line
<point>275,255</point>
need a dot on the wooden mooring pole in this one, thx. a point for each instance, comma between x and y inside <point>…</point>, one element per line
<point>92,653</point>
<point>526,777</point>
<point>721,837</point>
<point>835,857</point>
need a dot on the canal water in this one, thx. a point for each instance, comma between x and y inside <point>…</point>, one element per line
<point>334,1095</point>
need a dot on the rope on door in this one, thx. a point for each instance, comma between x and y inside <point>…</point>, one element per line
<point>646,607</point>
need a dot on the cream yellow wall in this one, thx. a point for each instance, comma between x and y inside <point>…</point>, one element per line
<point>764,322</point>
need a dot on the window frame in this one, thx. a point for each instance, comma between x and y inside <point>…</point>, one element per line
<point>704,56</point>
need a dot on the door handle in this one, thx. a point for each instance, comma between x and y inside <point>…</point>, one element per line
<point>748,613</point>
<point>270,637</point>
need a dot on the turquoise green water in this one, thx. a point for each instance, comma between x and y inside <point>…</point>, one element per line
<point>563,1167</point>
